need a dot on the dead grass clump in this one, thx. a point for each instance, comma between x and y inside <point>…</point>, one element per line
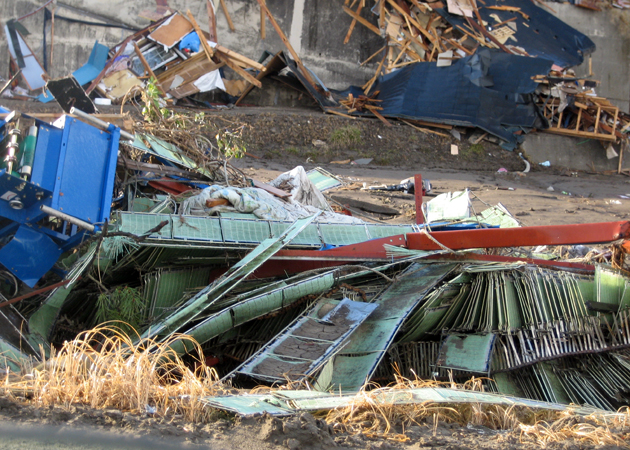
<point>590,430</point>
<point>103,368</point>
<point>372,415</point>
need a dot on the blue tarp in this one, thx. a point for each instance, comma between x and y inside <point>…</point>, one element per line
<point>542,35</point>
<point>491,90</point>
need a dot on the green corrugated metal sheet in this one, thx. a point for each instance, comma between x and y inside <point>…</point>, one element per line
<point>238,229</point>
<point>467,352</point>
<point>354,365</point>
<point>254,307</point>
<point>284,402</point>
<point>228,281</point>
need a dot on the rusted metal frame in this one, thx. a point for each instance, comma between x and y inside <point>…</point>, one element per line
<point>418,198</point>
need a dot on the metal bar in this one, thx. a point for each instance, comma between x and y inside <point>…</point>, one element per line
<point>63,216</point>
<point>589,233</point>
<point>98,123</point>
<point>417,183</point>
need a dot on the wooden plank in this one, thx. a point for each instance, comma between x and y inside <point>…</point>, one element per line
<point>263,20</point>
<point>227,15</point>
<point>378,114</point>
<point>373,55</point>
<point>353,24</point>
<point>202,37</point>
<point>272,190</point>
<point>288,45</point>
<point>236,68</point>
<point>415,23</point>
<point>337,113</point>
<point>238,57</point>
<point>146,66</point>
<point>169,34</point>
<point>361,20</point>
<point>425,130</point>
<point>433,124</point>
<point>212,21</point>
<point>585,134</point>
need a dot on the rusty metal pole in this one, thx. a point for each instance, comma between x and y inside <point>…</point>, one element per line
<point>417,182</point>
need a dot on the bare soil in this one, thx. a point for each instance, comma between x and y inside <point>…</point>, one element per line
<point>278,140</point>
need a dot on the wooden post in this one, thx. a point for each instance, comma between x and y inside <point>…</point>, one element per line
<point>212,21</point>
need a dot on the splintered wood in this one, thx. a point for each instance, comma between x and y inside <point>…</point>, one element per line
<point>416,33</point>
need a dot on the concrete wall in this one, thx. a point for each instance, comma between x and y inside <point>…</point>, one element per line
<point>611,59</point>
<point>570,152</point>
<point>316,29</point>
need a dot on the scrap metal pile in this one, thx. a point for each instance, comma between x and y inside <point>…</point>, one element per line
<point>158,233</point>
<point>278,288</point>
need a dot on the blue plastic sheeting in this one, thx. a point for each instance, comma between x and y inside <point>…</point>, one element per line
<point>86,73</point>
<point>29,255</point>
<point>491,90</point>
<point>542,35</point>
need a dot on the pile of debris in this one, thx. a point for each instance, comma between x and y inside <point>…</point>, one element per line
<point>161,235</point>
<point>501,66</point>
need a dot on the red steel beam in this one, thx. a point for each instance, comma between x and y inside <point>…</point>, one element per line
<point>590,233</point>
<point>586,233</point>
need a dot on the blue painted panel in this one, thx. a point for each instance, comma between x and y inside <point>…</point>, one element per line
<point>84,185</point>
<point>46,156</point>
<point>29,255</point>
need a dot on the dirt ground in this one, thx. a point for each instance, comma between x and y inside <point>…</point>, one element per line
<point>277,141</point>
<point>78,427</point>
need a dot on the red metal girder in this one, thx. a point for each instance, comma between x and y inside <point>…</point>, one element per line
<point>511,259</point>
<point>586,233</point>
<point>418,188</point>
<point>290,262</point>
<point>172,187</point>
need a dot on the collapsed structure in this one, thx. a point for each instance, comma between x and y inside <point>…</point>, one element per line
<point>168,238</point>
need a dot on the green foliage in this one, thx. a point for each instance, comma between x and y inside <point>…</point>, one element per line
<point>230,143</point>
<point>477,149</point>
<point>153,111</point>
<point>124,305</point>
<point>348,137</point>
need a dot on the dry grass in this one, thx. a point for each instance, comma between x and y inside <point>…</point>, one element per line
<point>102,368</point>
<point>372,417</point>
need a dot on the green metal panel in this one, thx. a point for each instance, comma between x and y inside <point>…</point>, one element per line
<point>250,231</point>
<point>343,234</point>
<point>41,322</point>
<point>238,272</point>
<point>467,352</point>
<point>368,344</point>
<point>140,223</point>
<point>197,228</point>
<point>257,306</point>
<point>282,403</point>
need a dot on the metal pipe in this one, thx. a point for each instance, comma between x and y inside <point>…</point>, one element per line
<point>63,216</point>
<point>98,123</point>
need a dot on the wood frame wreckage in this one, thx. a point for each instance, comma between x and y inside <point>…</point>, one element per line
<point>504,67</point>
<point>98,224</point>
<point>276,291</point>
